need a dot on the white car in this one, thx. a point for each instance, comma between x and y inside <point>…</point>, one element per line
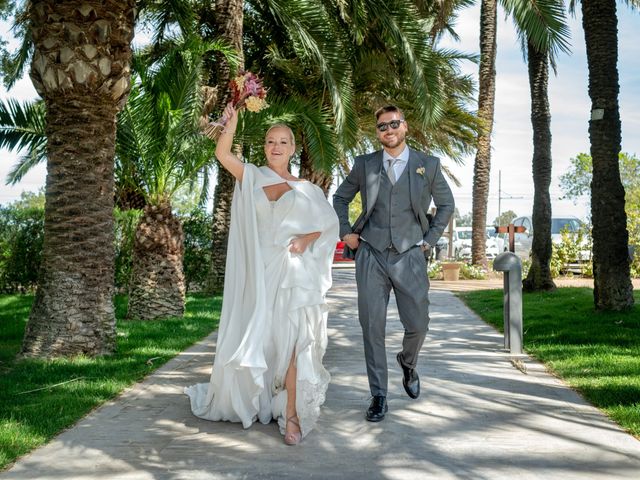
<point>462,244</point>
<point>523,241</point>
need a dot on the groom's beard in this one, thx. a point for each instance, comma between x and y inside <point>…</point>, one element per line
<point>394,141</point>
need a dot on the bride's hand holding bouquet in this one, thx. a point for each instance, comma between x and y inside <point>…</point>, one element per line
<point>247,92</point>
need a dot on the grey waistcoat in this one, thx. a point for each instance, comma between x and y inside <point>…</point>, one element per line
<point>392,221</point>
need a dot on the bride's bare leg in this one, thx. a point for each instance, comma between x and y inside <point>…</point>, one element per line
<point>292,422</point>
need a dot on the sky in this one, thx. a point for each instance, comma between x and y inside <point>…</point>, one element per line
<point>512,148</point>
<point>512,135</point>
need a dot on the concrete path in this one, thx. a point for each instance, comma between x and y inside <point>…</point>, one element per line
<point>477,418</point>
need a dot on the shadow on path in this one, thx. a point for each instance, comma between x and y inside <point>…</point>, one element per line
<point>477,418</point>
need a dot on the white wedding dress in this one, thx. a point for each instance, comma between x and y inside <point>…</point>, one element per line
<point>273,305</point>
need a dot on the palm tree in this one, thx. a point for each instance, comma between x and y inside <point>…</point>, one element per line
<point>612,281</point>
<point>539,276</point>
<point>539,21</point>
<point>538,59</point>
<point>80,68</point>
<point>486,105</point>
<point>224,22</point>
<point>159,150</point>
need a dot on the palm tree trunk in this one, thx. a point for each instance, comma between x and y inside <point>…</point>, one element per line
<point>539,277</point>
<point>220,235</point>
<point>612,282</point>
<point>486,101</point>
<point>228,23</point>
<point>157,288</point>
<point>309,172</point>
<point>81,70</point>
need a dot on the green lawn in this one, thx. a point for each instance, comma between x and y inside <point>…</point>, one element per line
<point>596,353</point>
<point>36,404</point>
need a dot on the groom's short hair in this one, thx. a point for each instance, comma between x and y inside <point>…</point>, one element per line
<point>388,108</point>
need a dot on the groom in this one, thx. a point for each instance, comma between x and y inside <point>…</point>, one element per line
<point>391,238</point>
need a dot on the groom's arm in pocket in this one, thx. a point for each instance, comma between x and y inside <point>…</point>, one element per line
<point>341,200</point>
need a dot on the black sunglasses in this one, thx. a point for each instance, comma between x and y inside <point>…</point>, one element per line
<point>383,126</point>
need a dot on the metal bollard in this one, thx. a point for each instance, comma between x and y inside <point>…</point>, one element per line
<point>510,264</point>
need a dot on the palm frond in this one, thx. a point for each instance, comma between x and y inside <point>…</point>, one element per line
<point>22,127</point>
<point>14,65</point>
<point>159,146</point>
<point>543,23</point>
<point>164,16</point>
<point>315,35</point>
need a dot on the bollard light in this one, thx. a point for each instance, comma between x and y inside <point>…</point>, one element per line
<point>510,264</point>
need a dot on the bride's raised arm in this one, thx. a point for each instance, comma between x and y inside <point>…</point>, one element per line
<point>225,142</point>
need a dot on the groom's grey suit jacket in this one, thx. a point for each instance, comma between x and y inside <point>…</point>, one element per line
<point>425,182</point>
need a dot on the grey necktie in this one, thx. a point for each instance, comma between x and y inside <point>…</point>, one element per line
<point>391,172</point>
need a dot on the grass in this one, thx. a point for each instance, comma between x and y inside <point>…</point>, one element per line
<point>38,399</point>
<point>597,353</point>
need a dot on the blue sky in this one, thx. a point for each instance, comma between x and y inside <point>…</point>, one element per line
<point>512,148</point>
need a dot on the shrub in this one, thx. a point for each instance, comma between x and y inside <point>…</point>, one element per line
<point>467,271</point>
<point>567,252</point>
<point>125,225</point>
<point>434,270</point>
<point>197,228</point>
<point>22,234</point>
<point>21,237</point>
<point>472,272</point>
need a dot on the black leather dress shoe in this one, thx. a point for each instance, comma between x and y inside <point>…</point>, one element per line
<point>377,408</point>
<point>410,379</point>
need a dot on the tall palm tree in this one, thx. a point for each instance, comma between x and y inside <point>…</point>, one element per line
<point>159,150</point>
<point>224,22</point>
<point>539,21</point>
<point>539,276</point>
<point>486,106</point>
<point>612,281</point>
<point>80,68</point>
<point>538,60</point>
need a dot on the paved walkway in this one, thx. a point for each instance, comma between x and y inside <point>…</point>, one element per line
<point>478,418</point>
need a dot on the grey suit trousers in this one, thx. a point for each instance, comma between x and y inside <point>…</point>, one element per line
<point>376,274</point>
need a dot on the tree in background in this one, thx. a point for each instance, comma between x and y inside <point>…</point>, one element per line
<point>541,22</point>
<point>576,183</point>
<point>505,218</point>
<point>463,220</point>
<point>159,151</point>
<point>486,107</point>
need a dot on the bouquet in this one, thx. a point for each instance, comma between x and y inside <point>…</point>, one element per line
<point>247,92</point>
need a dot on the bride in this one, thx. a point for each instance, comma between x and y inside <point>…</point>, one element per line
<point>272,335</point>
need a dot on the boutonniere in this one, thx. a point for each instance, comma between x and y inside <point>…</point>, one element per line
<point>420,171</point>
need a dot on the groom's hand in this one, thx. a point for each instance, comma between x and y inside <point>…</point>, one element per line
<point>352,240</point>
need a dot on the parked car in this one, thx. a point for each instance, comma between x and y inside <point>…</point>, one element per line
<point>498,238</point>
<point>442,247</point>
<point>523,241</point>
<point>337,253</point>
<point>462,244</point>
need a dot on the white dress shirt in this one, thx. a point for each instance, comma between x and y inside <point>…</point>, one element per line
<point>401,163</point>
